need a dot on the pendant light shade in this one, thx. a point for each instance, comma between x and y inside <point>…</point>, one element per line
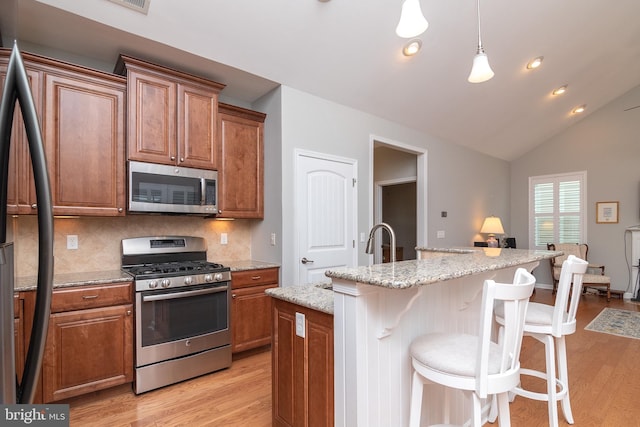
<point>412,22</point>
<point>481,70</point>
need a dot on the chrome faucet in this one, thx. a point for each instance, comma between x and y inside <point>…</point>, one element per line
<point>392,236</point>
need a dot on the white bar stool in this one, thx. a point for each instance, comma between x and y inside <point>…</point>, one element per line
<point>474,362</point>
<point>549,324</point>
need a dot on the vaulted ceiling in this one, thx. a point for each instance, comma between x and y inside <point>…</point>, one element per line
<point>347,51</point>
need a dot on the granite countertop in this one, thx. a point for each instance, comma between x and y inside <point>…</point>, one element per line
<point>248,265</point>
<point>317,296</point>
<point>29,283</point>
<point>74,279</point>
<point>438,265</point>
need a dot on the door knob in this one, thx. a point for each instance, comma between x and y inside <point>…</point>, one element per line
<point>306,261</point>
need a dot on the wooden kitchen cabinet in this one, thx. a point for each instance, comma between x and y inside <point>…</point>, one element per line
<point>303,384</point>
<point>84,139</point>
<point>172,116</point>
<point>241,178</point>
<point>89,340</point>
<point>28,304</point>
<point>21,193</point>
<point>251,308</point>
<point>81,114</point>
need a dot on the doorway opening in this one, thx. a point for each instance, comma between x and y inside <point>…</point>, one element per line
<point>399,198</point>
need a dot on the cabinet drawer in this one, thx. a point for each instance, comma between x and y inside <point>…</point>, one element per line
<point>243,279</point>
<point>79,298</point>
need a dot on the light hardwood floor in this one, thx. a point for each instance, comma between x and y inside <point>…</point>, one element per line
<point>604,372</point>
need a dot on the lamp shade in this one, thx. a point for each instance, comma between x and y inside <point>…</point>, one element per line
<point>412,22</point>
<point>481,70</point>
<point>492,225</point>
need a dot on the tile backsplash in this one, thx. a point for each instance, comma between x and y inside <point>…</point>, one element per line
<point>99,239</point>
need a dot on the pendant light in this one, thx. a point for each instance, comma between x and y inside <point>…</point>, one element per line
<point>412,22</point>
<point>481,70</point>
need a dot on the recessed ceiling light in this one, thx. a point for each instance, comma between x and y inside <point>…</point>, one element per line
<point>412,47</point>
<point>535,63</point>
<point>579,109</point>
<point>560,90</point>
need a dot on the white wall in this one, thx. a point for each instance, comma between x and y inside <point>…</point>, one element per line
<point>606,144</point>
<point>261,248</point>
<point>467,184</point>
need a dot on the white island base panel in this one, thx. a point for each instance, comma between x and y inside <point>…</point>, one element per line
<point>373,329</point>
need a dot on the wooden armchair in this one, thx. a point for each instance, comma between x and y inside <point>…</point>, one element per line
<point>595,277</point>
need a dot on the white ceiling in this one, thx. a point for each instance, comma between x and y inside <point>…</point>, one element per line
<point>346,51</point>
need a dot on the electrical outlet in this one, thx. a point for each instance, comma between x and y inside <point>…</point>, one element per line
<point>273,239</point>
<point>72,241</point>
<point>300,329</point>
<point>223,239</point>
<point>440,234</point>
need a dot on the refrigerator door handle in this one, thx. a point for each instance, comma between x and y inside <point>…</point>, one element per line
<point>17,87</point>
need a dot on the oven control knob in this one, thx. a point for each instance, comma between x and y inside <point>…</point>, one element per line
<point>165,283</point>
<point>153,284</point>
<point>208,278</point>
<point>188,280</point>
<point>217,277</point>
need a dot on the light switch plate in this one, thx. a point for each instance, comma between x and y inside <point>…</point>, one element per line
<point>223,239</point>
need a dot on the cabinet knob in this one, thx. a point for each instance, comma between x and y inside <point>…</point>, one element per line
<point>233,295</point>
<point>173,157</point>
<point>120,209</point>
<point>128,312</point>
<point>182,159</point>
<point>34,206</point>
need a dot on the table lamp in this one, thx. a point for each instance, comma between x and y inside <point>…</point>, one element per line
<point>492,226</point>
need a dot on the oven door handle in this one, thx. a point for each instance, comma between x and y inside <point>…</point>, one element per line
<point>184,294</point>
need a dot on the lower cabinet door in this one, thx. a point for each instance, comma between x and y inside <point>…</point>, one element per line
<point>302,368</point>
<point>88,350</point>
<point>250,317</point>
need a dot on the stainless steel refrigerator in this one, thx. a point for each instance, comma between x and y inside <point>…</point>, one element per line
<point>17,90</point>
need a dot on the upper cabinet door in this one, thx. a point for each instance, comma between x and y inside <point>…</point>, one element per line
<point>172,115</point>
<point>84,142</point>
<point>241,177</point>
<point>197,126</point>
<point>151,107</point>
<point>21,191</point>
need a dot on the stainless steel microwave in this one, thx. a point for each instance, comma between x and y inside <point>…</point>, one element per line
<point>157,188</point>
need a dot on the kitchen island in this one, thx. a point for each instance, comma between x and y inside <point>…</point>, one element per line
<point>379,309</point>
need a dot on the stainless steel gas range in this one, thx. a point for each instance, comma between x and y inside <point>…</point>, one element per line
<point>182,309</point>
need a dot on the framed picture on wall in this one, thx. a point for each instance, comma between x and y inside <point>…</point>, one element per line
<point>607,212</point>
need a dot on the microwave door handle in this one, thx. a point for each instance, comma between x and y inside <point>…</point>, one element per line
<point>203,191</point>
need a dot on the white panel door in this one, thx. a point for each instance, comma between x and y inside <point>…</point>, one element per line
<point>325,214</point>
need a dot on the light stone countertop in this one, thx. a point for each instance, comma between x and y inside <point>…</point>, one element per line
<point>29,283</point>
<point>74,279</point>
<point>439,264</point>
<point>317,296</point>
<point>435,265</point>
<point>248,265</point>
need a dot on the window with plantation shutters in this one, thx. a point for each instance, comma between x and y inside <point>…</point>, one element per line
<point>557,211</point>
